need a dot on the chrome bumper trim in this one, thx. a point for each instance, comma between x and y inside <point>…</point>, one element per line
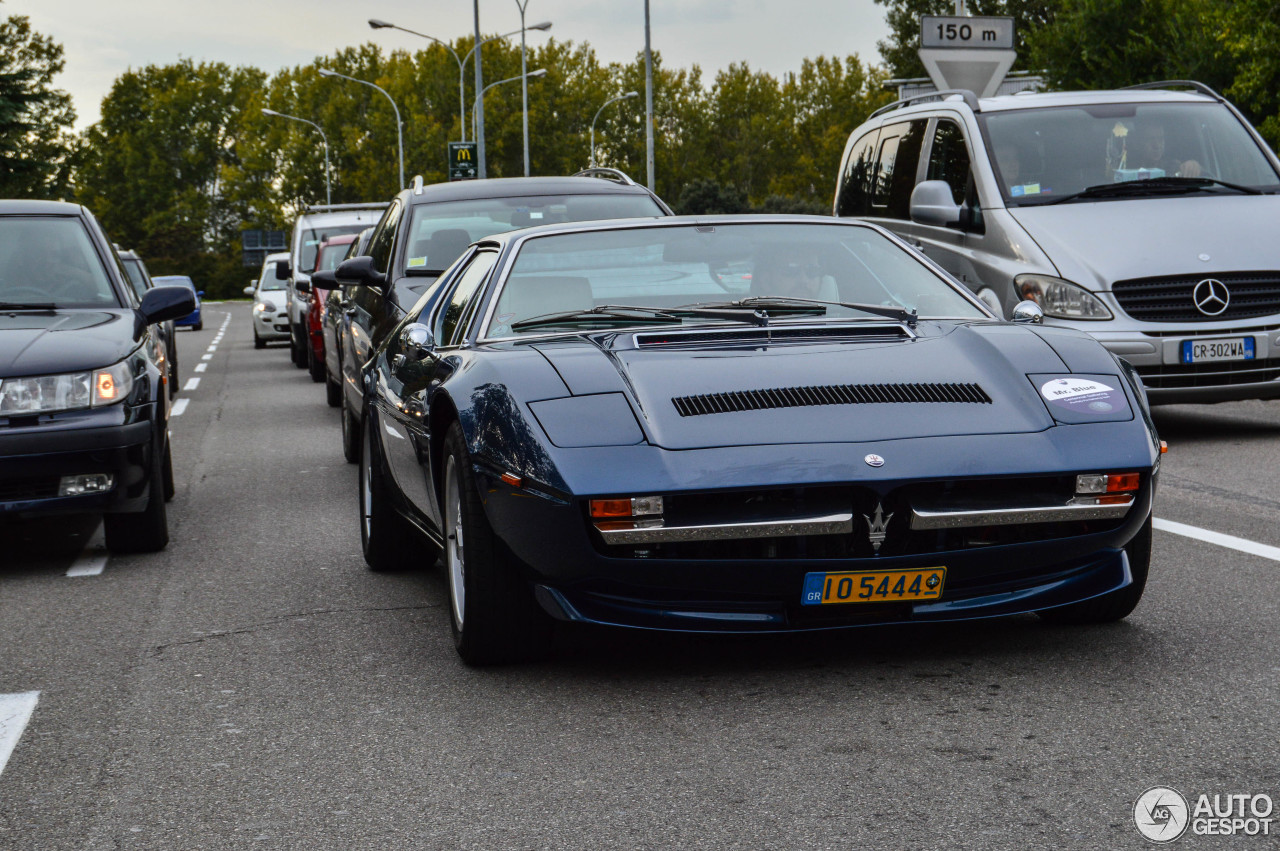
<point>647,532</point>
<point>1080,508</point>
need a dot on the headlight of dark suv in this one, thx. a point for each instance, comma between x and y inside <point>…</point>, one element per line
<point>68,392</point>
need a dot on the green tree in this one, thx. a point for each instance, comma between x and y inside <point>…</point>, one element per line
<point>35,118</point>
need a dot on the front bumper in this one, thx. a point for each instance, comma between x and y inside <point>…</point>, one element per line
<point>33,460</point>
<point>272,326</point>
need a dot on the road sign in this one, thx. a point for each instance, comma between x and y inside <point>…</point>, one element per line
<point>462,160</point>
<point>967,53</point>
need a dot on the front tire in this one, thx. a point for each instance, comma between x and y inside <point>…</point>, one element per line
<point>386,538</point>
<point>315,365</point>
<point>258,342</point>
<point>145,531</point>
<point>492,611</point>
<point>1117,604</point>
<point>332,390</point>
<point>350,432</point>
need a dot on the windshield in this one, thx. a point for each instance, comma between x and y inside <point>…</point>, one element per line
<point>136,278</point>
<point>439,233</point>
<point>312,238</point>
<point>331,256</point>
<point>680,266</point>
<point>51,260</point>
<point>1043,154</point>
<point>268,280</point>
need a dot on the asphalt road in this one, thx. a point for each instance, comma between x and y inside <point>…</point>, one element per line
<point>254,686</point>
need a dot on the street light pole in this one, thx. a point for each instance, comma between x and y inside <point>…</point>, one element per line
<point>479,116</point>
<point>376,24</point>
<point>328,192</point>
<point>479,107</point>
<point>593,122</point>
<point>524,87</point>
<point>325,72</point>
<point>648,102</point>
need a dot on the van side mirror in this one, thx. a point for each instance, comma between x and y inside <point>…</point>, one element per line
<point>931,204</point>
<point>283,271</point>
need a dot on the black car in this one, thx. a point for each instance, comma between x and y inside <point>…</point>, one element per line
<point>83,411</point>
<point>426,228</point>
<point>141,281</point>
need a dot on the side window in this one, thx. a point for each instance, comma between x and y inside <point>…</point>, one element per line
<point>450,327</point>
<point>853,197</point>
<point>384,238</point>
<point>896,164</point>
<point>949,159</point>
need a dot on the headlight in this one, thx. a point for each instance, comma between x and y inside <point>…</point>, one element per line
<point>48,393</point>
<point>1060,299</point>
<point>264,307</point>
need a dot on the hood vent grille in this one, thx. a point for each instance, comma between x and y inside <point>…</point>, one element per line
<point>829,394</point>
<point>876,332</point>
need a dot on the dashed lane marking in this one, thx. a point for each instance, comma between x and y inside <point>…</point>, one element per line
<point>1228,541</point>
<point>178,407</point>
<point>93,558</point>
<point>200,367</point>
<point>15,712</point>
<point>206,357</point>
<point>192,384</point>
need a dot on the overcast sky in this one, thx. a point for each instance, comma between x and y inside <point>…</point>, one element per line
<point>103,39</point>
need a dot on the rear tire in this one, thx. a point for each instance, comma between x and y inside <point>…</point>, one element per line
<point>297,353</point>
<point>492,612</point>
<point>315,365</point>
<point>350,432</point>
<point>145,531</point>
<point>1117,604</point>
<point>199,326</point>
<point>166,473</point>
<point>388,541</point>
<point>332,390</point>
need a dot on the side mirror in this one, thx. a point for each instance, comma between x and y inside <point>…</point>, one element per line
<point>325,280</point>
<point>302,285</point>
<point>931,204</point>
<point>283,271</point>
<point>248,290</point>
<point>417,343</point>
<point>164,303</point>
<point>1028,312</point>
<point>360,271</point>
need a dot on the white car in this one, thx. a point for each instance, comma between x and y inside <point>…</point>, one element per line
<point>270,313</point>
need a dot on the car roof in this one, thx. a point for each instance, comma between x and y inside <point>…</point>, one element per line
<point>1046,100</point>
<point>182,278</point>
<point>11,207</point>
<point>127,254</point>
<point>515,187</point>
<point>279,255</point>
<point>342,239</point>
<point>673,221</point>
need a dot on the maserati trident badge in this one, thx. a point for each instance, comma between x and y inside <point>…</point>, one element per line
<point>878,528</point>
<point>874,460</point>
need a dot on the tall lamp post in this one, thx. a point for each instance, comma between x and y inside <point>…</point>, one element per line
<point>541,72</point>
<point>524,86</point>
<point>325,72</point>
<point>593,121</point>
<point>376,24</point>
<point>648,103</point>
<point>328,193</point>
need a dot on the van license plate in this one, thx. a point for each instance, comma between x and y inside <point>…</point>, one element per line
<point>1204,351</point>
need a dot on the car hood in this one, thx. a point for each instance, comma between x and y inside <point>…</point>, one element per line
<point>943,354</point>
<point>1096,243</point>
<point>61,341</point>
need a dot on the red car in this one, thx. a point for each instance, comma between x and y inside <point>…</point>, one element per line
<point>329,255</point>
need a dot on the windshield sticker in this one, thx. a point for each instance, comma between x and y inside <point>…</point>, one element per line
<point>1026,189</point>
<point>535,215</point>
<point>1080,394</point>
<point>416,261</point>
<point>1124,175</point>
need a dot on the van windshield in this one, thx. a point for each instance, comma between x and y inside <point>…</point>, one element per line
<point>1044,154</point>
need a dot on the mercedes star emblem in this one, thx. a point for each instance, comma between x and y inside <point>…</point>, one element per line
<point>1211,296</point>
<point>874,460</point>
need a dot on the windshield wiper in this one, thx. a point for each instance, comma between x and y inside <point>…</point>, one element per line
<point>27,305</point>
<point>631,313</point>
<point>1154,186</point>
<point>796,304</point>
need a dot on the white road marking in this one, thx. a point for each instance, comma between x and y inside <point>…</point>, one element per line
<point>200,367</point>
<point>15,712</point>
<point>1228,541</point>
<point>206,357</point>
<point>93,558</point>
<point>192,384</point>
<point>178,407</point>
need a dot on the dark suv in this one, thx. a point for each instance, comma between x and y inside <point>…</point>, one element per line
<point>426,228</point>
<point>83,412</point>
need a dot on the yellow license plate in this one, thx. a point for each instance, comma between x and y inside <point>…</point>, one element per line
<point>873,586</point>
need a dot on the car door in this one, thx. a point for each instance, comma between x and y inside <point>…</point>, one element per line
<point>405,431</point>
<point>366,307</point>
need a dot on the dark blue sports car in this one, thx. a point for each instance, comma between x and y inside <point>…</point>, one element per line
<point>746,424</point>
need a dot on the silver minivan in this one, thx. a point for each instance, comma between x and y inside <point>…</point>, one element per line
<point>1145,216</point>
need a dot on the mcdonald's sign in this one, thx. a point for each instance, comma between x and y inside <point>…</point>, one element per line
<point>462,160</point>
